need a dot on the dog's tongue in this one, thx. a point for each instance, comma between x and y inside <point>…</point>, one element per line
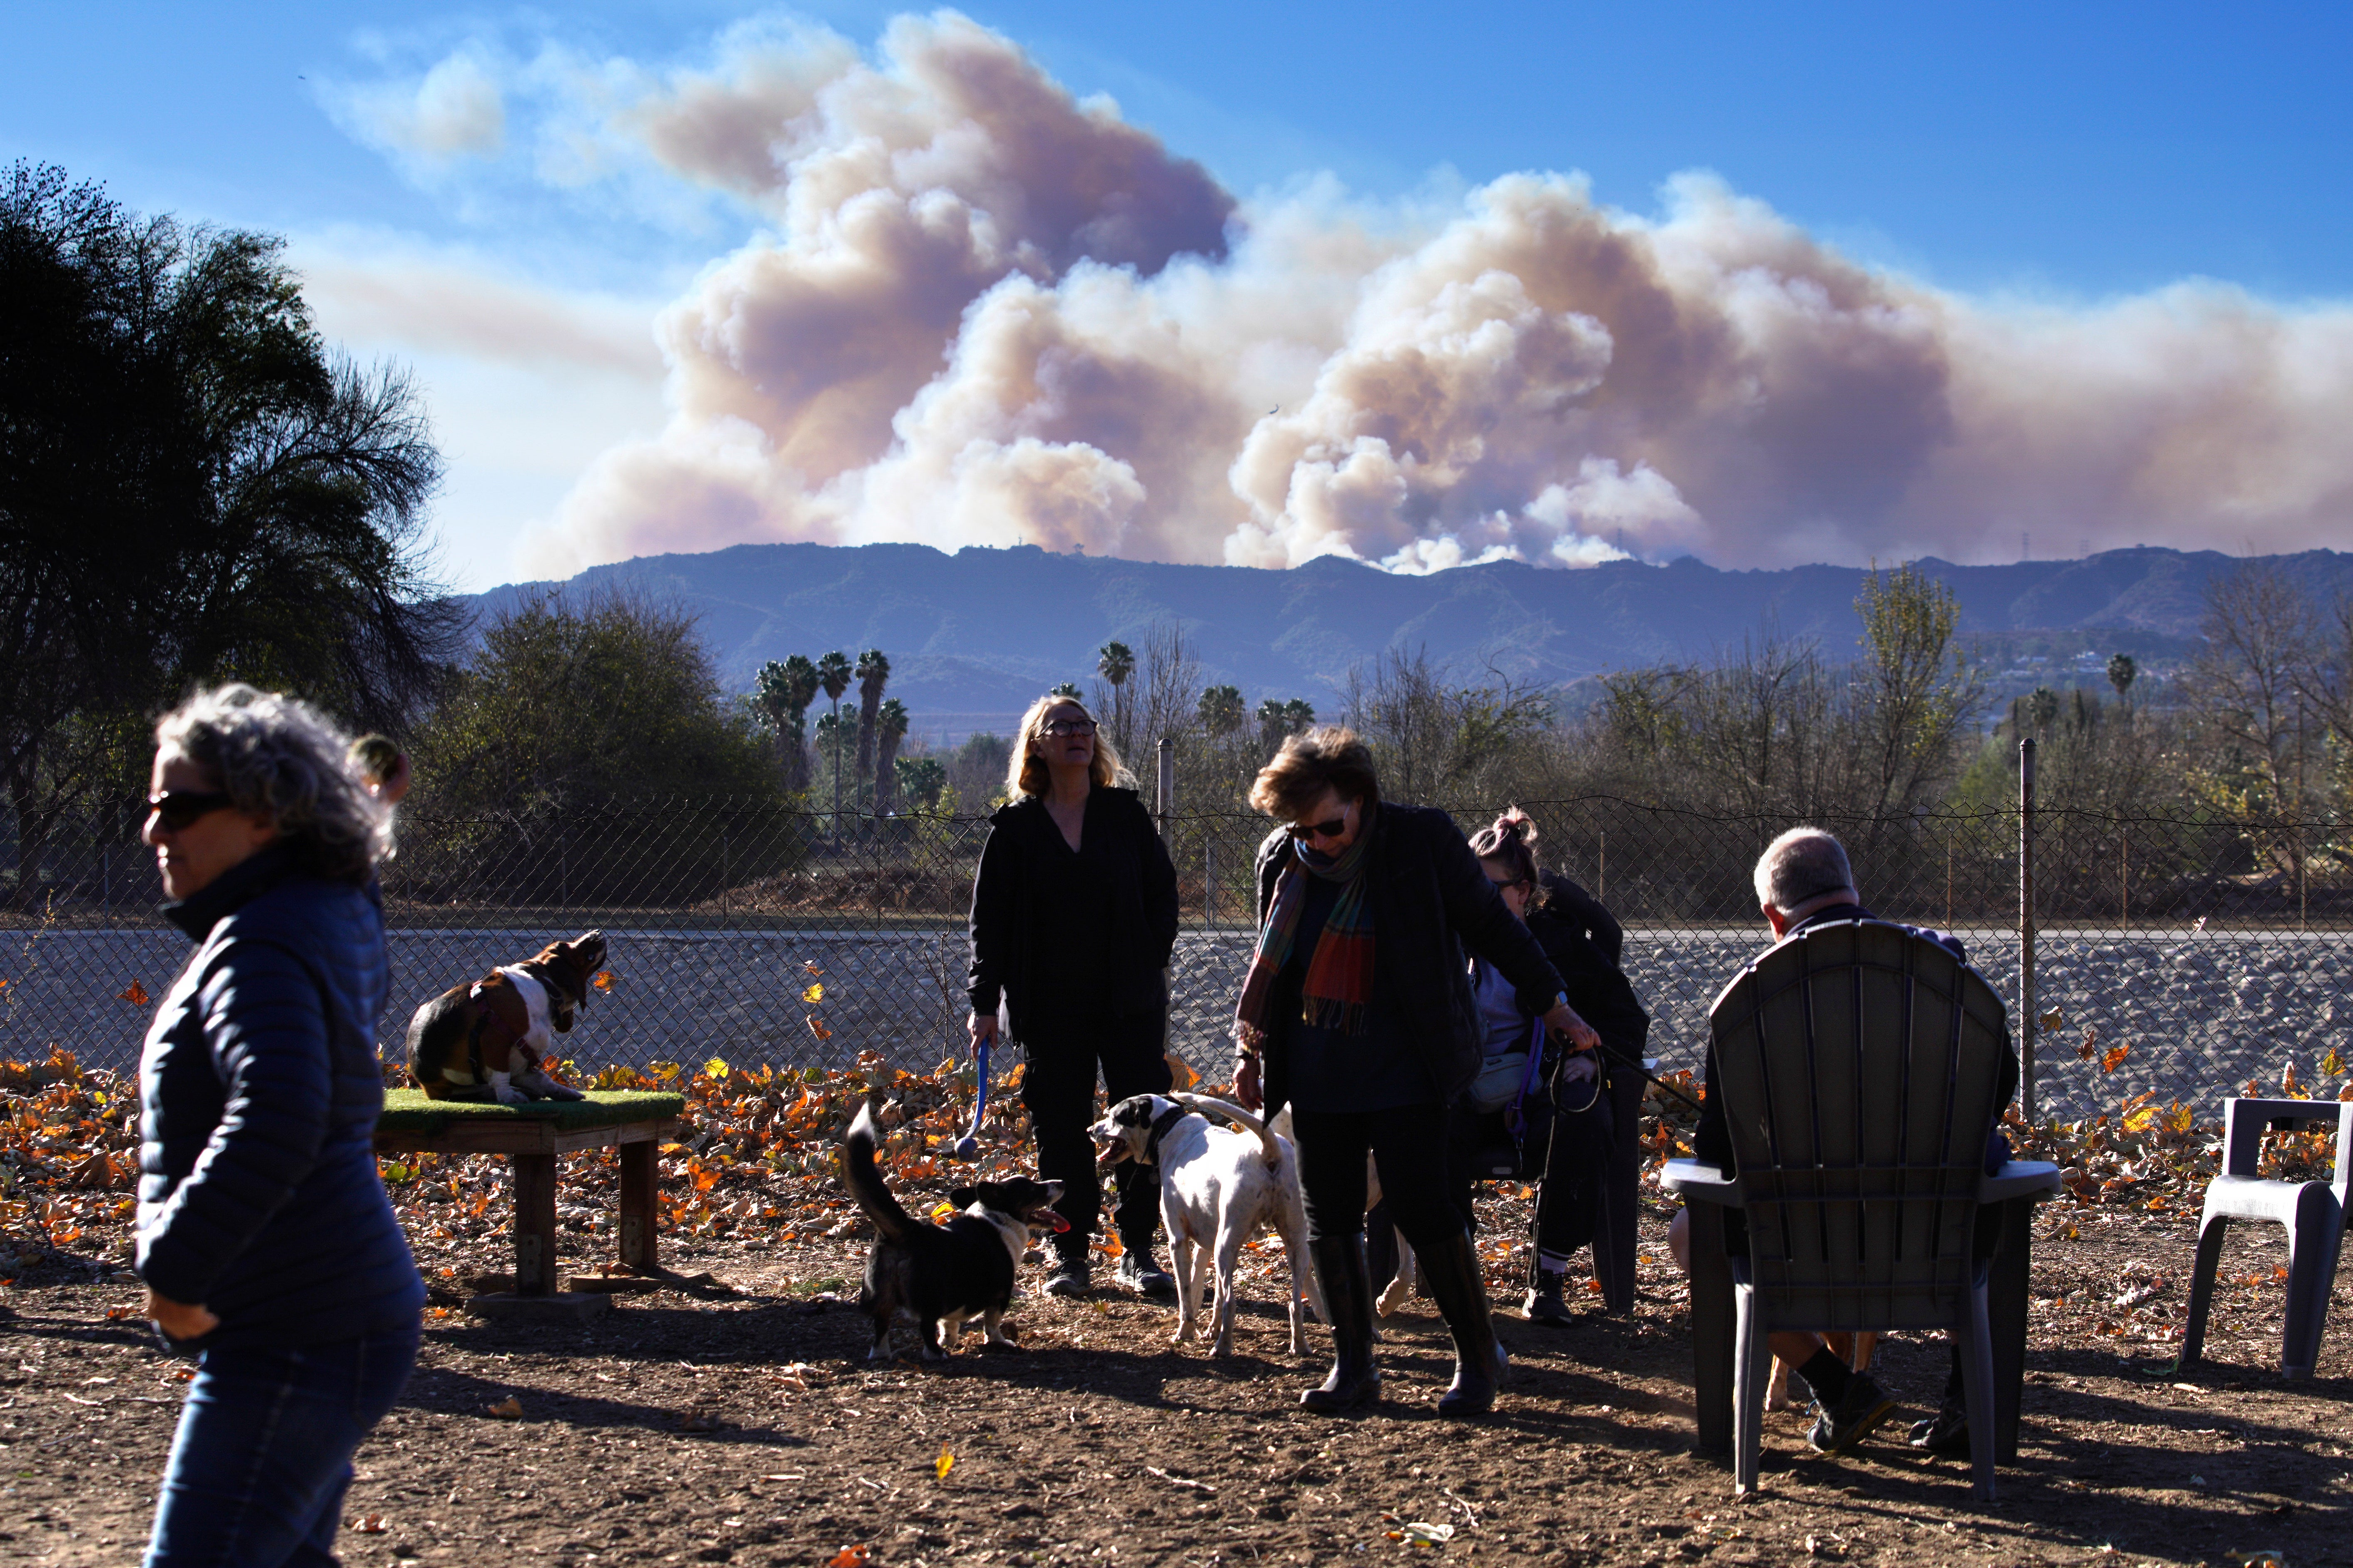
<point>1057,1221</point>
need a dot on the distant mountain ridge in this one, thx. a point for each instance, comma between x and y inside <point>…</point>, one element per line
<point>983,631</point>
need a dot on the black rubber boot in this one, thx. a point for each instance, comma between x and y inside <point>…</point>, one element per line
<point>1348,1294</point>
<point>1451,1271</point>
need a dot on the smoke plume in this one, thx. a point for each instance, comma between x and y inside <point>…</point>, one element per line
<point>987,312</point>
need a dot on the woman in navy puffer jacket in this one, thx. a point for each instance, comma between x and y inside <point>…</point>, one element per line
<point>265,1237</point>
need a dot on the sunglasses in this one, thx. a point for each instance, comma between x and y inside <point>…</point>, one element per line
<point>179,809</point>
<point>1332,829</point>
<point>1060,728</point>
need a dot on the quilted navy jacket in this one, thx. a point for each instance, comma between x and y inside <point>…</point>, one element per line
<point>259,1090</point>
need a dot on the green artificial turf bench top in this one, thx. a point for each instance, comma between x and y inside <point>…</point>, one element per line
<point>408,1111</point>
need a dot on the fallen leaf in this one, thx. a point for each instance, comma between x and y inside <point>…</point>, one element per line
<point>372,1525</point>
<point>849,1557</point>
<point>507,1409</point>
<point>136,995</point>
<point>943,1464</point>
<point>814,993</point>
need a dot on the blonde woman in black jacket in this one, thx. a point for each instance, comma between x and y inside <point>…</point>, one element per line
<point>1074,916</point>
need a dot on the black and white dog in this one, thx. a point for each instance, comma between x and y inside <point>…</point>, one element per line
<point>933,1278</point>
<point>1219,1188</point>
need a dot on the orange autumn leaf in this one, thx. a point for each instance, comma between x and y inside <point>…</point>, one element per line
<point>818,1027</point>
<point>2114,1058</point>
<point>136,995</point>
<point>849,1557</point>
<point>604,981</point>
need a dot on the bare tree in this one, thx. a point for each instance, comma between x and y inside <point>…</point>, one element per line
<point>1171,678</point>
<point>2261,634</point>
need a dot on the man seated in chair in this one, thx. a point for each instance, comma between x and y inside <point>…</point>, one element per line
<point>1803,879</point>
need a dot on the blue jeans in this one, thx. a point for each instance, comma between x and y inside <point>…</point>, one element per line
<point>264,1451</point>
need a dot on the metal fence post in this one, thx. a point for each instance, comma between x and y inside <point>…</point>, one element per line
<point>1164,806</point>
<point>2029,1023</point>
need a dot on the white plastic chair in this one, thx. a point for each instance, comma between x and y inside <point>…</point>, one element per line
<point>2313,1211</point>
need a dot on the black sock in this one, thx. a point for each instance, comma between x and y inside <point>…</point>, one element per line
<point>1826,1376</point>
<point>1955,1396</point>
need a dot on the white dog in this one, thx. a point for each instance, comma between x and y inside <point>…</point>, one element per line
<point>1219,1188</point>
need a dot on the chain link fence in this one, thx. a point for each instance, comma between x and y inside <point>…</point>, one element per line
<point>2173,958</point>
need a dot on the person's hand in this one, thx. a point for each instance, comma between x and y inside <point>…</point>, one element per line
<point>180,1320</point>
<point>1578,1069</point>
<point>1564,1022</point>
<point>984,1031</point>
<point>1248,1092</point>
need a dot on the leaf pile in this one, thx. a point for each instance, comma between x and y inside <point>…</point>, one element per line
<point>755,1160</point>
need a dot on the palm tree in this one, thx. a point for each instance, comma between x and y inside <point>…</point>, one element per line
<point>1221,711</point>
<point>873,674</point>
<point>1069,688</point>
<point>1115,661</point>
<point>890,728</point>
<point>1278,718</point>
<point>2121,672</point>
<point>833,675</point>
<point>784,693</point>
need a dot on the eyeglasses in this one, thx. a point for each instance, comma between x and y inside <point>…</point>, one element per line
<point>178,809</point>
<point>1063,728</point>
<point>1332,829</point>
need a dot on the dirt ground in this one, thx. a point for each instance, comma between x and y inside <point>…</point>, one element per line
<point>736,1421</point>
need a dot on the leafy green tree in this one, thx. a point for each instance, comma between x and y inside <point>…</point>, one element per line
<point>578,701</point>
<point>1069,688</point>
<point>193,487</point>
<point>922,780</point>
<point>1918,694</point>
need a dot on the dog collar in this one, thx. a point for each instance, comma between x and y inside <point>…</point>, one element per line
<point>1160,1126</point>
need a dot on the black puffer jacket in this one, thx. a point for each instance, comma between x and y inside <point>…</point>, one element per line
<point>1120,844</point>
<point>1430,901</point>
<point>259,1090</point>
<point>1570,927</point>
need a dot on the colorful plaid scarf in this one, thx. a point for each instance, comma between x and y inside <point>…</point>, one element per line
<point>1339,981</point>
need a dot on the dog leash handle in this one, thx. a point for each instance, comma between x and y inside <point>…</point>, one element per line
<point>968,1146</point>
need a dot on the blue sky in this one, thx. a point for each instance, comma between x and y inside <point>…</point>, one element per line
<point>2064,156</point>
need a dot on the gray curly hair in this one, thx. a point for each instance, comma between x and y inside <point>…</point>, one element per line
<point>277,756</point>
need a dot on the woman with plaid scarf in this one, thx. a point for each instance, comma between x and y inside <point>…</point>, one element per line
<point>1357,1013</point>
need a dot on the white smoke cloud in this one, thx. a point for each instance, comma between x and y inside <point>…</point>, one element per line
<point>986,311</point>
<point>456,109</point>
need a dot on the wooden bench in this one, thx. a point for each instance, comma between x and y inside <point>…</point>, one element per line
<point>633,1122</point>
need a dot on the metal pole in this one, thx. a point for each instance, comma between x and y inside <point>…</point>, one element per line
<point>1164,806</point>
<point>2026,927</point>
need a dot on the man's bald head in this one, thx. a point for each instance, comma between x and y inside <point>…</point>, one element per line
<point>1802,870</point>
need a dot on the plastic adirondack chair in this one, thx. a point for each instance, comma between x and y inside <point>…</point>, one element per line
<point>1857,1064</point>
<point>2313,1211</point>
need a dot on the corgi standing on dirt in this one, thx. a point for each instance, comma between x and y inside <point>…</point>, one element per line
<point>935,1277</point>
